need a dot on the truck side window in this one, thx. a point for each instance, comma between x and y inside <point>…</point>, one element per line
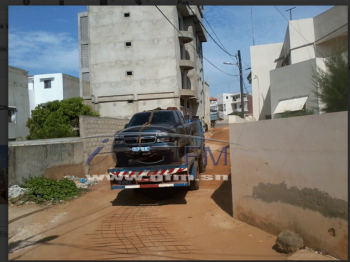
<point>177,119</point>
<point>182,119</point>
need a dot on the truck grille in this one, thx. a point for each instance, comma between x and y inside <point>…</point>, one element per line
<point>144,140</point>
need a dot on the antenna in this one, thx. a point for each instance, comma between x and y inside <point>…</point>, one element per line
<point>290,12</point>
<point>253,25</point>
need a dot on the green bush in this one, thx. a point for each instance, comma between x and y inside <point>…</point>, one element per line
<point>57,119</point>
<point>304,112</point>
<point>41,189</point>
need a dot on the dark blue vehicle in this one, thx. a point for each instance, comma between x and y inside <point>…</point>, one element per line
<point>153,143</point>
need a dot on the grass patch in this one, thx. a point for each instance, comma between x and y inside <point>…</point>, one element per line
<point>42,190</point>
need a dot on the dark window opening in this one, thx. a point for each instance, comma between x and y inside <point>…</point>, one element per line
<point>127,43</point>
<point>129,73</point>
<point>126,14</point>
<point>267,116</point>
<point>130,101</point>
<point>47,83</point>
<point>182,102</point>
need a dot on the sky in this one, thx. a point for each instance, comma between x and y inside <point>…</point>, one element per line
<point>44,39</point>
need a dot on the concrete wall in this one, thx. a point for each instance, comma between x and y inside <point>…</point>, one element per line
<point>330,23</point>
<point>18,96</point>
<point>101,127</point>
<point>293,174</point>
<point>53,158</point>
<point>152,58</point>
<point>301,34</point>
<point>291,82</point>
<point>70,86</point>
<point>262,61</point>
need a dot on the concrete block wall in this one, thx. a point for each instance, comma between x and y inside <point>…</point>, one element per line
<point>292,174</point>
<point>101,128</point>
<point>53,158</point>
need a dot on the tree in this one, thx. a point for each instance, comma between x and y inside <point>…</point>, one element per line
<point>58,119</point>
<point>331,86</point>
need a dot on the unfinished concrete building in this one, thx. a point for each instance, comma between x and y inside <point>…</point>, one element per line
<point>132,59</point>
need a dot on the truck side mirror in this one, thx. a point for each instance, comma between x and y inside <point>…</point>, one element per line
<point>126,125</point>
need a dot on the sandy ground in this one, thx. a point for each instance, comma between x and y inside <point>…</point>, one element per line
<point>157,224</point>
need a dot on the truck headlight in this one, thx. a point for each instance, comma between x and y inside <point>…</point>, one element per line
<point>163,137</point>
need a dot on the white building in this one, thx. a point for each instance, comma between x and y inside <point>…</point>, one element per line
<point>132,59</point>
<point>281,72</point>
<point>44,88</point>
<point>228,103</point>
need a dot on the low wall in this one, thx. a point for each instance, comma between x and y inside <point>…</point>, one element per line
<point>101,127</point>
<point>293,174</point>
<point>53,158</point>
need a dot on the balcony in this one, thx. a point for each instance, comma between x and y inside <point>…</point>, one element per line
<point>185,36</point>
<point>186,64</point>
<point>189,93</point>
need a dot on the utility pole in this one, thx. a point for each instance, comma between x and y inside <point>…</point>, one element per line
<point>290,12</point>
<point>241,81</point>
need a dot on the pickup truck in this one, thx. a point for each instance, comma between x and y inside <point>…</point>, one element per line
<point>185,173</point>
<point>159,135</point>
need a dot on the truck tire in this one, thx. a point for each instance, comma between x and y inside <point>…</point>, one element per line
<point>122,161</point>
<point>194,184</point>
<point>202,167</point>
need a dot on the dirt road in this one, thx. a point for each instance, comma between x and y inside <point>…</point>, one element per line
<point>156,224</point>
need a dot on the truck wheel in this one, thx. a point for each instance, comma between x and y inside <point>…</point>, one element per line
<point>194,184</point>
<point>122,161</point>
<point>202,167</point>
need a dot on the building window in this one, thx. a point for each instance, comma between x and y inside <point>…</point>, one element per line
<point>47,83</point>
<point>130,101</point>
<point>126,14</point>
<point>180,22</point>
<point>224,107</point>
<point>235,106</point>
<point>183,81</point>
<point>128,44</point>
<point>226,97</point>
<point>129,73</point>
<point>182,102</point>
<point>12,115</point>
<point>267,116</point>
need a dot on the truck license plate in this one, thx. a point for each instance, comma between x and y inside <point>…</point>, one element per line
<point>143,149</point>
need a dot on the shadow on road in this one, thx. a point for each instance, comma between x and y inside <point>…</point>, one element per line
<point>25,243</point>
<point>151,196</point>
<point>223,196</point>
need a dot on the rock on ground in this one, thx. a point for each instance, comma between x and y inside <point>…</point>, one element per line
<point>16,191</point>
<point>309,255</point>
<point>288,242</point>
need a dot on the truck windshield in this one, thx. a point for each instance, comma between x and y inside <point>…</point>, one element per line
<point>159,117</point>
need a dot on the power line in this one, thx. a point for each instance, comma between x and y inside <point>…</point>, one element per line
<point>190,43</point>
<point>222,48</point>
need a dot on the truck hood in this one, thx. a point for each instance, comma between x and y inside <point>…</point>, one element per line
<point>147,129</point>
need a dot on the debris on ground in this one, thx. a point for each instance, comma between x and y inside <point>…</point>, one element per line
<point>16,191</point>
<point>288,242</point>
<point>309,254</point>
<point>82,182</point>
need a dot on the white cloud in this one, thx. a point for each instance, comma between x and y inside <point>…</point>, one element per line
<point>42,51</point>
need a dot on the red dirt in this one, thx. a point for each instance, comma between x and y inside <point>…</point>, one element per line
<point>162,224</point>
